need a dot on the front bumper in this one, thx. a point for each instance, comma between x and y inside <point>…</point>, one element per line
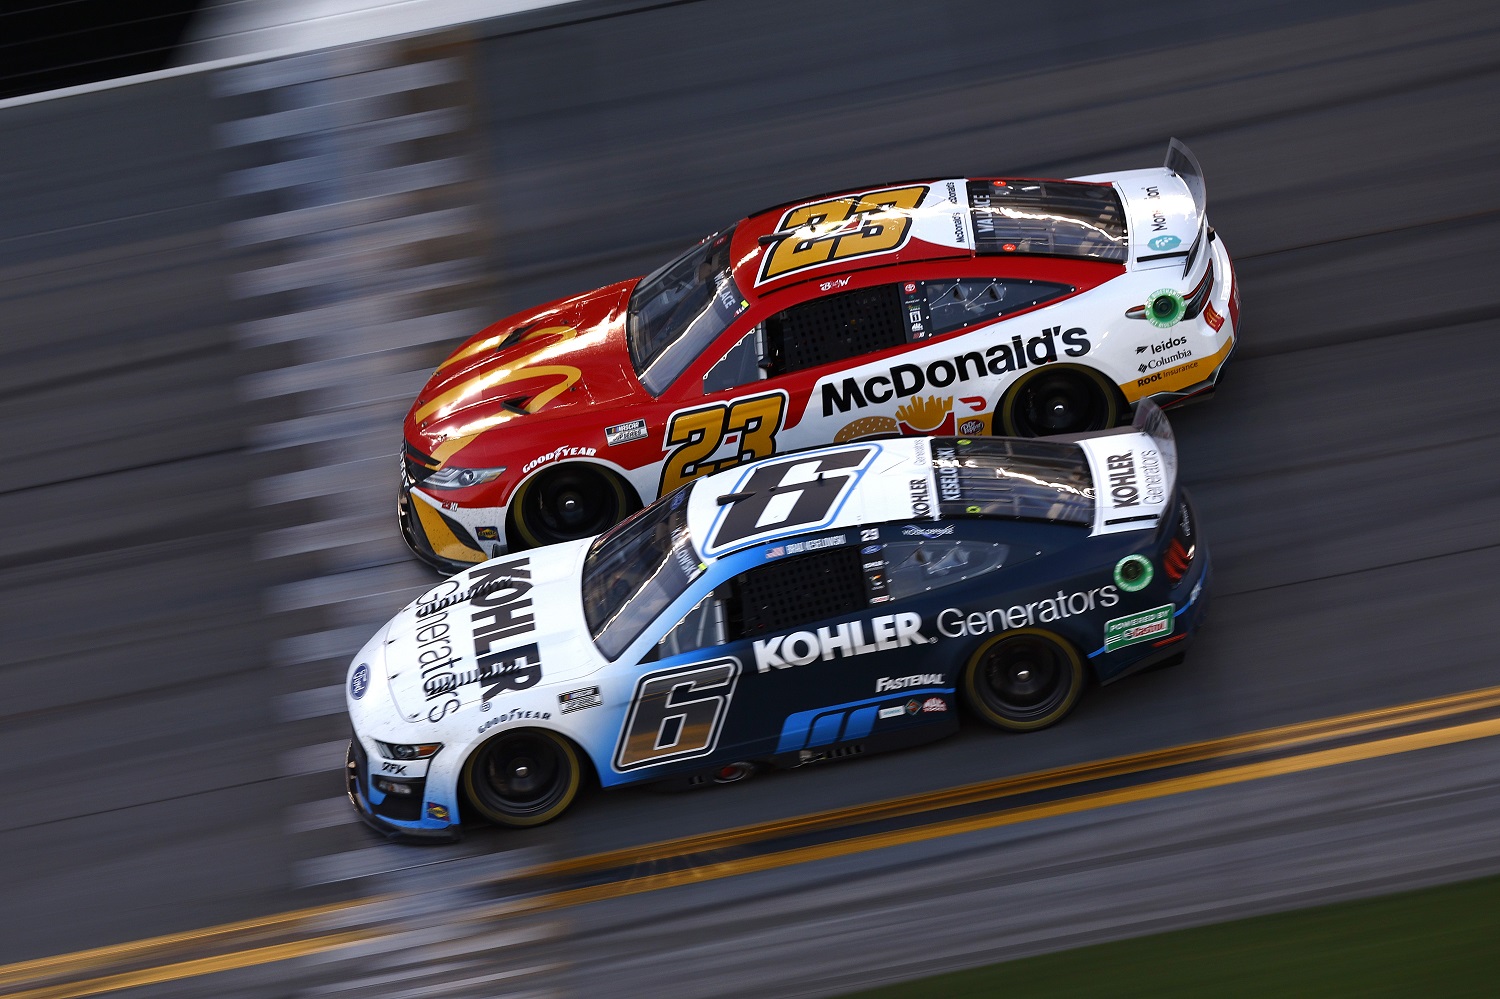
<point>439,539</point>
<point>393,817</point>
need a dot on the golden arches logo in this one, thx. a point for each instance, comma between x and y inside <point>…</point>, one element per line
<point>521,369</point>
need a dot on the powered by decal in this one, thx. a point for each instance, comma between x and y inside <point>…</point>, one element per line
<point>624,433</point>
<point>902,380</point>
<point>1133,628</point>
<point>956,623</point>
<point>888,631</point>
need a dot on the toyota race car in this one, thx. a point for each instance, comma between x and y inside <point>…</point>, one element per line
<point>963,306</point>
<point>812,606</point>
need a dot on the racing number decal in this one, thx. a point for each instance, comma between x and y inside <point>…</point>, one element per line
<point>677,714</point>
<point>797,494</point>
<point>840,228</point>
<point>695,434</point>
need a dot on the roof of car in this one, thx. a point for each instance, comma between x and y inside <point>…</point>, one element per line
<point>904,222</point>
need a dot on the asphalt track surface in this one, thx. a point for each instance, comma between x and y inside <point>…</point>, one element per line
<point>1347,474</point>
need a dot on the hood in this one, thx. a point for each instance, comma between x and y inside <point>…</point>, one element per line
<point>539,363</point>
<point>496,629</point>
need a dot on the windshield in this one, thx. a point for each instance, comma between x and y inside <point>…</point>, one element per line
<point>634,571</point>
<point>1013,479</point>
<point>679,309</point>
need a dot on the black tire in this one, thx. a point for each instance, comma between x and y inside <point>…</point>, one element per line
<point>1059,401</point>
<point>568,501</point>
<point>1023,680</point>
<point>523,777</point>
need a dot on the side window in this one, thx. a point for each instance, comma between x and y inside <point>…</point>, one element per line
<point>701,628</point>
<point>796,590</point>
<point>954,304</point>
<point>915,567</point>
<point>740,365</point>
<point>834,328</point>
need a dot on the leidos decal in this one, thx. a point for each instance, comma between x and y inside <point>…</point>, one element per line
<point>889,631</point>
<point>904,380</point>
<point>840,228</point>
<point>955,623</point>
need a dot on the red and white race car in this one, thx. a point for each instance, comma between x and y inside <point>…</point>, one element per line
<point>962,306</point>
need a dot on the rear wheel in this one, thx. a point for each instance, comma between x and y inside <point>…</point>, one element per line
<point>1023,680</point>
<point>1060,401</point>
<point>523,778</point>
<point>568,501</point>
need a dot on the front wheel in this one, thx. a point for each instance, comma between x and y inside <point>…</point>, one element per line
<point>523,778</point>
<point>1060,401</point>
<point>566,502</point>
<point>1023,680</point>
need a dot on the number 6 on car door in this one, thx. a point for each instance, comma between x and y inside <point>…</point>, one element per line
<point>677,714</point>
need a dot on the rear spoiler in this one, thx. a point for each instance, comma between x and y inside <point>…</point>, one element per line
<point>1181,161</point>
<point>1150,420</point>
<point>1134,471</point>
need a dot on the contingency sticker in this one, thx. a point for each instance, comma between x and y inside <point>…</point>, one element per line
<point>1132,628</point>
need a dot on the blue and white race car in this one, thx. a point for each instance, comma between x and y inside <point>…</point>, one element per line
<point>822,604</point>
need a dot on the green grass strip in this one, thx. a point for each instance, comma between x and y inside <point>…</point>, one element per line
<point>1442,941</point>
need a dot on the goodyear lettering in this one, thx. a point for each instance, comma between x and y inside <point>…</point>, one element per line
<point>954,622</point>
<point>888,631</point>
<point>902,380</point>
<point>556,453</point>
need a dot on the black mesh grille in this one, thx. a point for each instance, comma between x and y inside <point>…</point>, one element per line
<point>800,589</point>
<point>835,328</point>
<point>403,807</point>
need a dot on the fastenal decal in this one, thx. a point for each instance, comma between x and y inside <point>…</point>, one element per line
<point>1132,628</point>
<point>954,622</point>
<point>624,433</point>
<point>886,683</point>
<point>902,380</point>
<point>888,631</point>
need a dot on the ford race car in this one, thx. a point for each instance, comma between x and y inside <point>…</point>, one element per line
<point>804,607</point>
<point>962,306</point>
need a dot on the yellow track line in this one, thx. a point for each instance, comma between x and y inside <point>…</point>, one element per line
<point>1261,741</point>
<point>196,967</point>
<point>1266,739</point>
<point>1315,760</point>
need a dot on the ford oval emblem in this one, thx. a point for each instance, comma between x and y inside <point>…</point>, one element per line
<point>359,681</point>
